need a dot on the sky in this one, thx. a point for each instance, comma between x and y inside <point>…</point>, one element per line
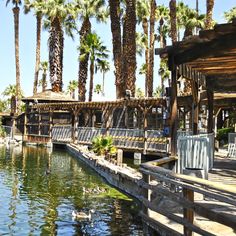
<point>70,70</point>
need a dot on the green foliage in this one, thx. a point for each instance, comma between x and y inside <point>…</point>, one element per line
<point>103,145</point>
<point>98,88</point>
<point>2,131</point>
<point>222,134</point>
<point>139,93</point>
<point>230,15</point>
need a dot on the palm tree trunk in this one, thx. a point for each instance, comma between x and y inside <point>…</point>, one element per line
<point>145,31</point>
<point>38,43</point>
<point>16,11</point>
<point>173,20</point>
<point>103,82</point>
<point>83,64</point>
<point>44,85</point>
<point>55,51</point>
<point>117,47</point>
<point>91,81</point>
<point>130,45</point>
<point>210,6</point>
<point>151,50</point>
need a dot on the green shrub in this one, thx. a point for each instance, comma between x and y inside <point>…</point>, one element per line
<point>103,145</point>
<point>222,134</point>
<point>2,131</point>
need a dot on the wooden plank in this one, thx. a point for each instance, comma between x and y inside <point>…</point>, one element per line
<point>158,226</point>
<point>188,213</point>
<point>176,218</point>
<point>157,171</point>
<point>199,208</point>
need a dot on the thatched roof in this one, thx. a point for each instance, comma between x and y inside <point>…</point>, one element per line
<point>49,96</point>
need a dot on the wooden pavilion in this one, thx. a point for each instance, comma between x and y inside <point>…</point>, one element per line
<point>208,62</point>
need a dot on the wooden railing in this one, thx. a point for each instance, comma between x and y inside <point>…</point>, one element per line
<point>151,141</point>
<point>62,134</point>
<point>162,185</point>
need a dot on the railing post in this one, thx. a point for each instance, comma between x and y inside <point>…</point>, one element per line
<point>188,213</point>
<point>146,193</point>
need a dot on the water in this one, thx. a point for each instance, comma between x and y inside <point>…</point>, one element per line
<point>39,190</point>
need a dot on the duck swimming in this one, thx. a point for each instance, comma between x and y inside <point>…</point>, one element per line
<point>80,215</point>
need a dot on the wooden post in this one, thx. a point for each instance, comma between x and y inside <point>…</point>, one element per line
<point>145,126</point>
<point>76,125</point>
<point>50,123</point>
<point>146,193</point>
<point>25,125</point>
<point>73,126</point>
<point>39,123</point>
<point>188,213</point>
<point>174,113</point>
<point>210,99</point>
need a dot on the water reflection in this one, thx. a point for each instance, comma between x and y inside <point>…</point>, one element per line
<point>40,189</point>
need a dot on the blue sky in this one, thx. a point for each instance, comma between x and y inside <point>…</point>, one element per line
<point>70,70</point>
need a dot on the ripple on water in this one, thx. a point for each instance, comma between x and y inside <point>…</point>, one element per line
<point>35,203</point>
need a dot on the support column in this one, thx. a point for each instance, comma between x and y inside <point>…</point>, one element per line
<point>25,125</point>
<point>210,100</point>
<point>145,127</point>
<point>50,123</point>
<point>174,111</point>
<point>39,123</point>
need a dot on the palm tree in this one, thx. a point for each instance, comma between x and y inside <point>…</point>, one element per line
<point>36,5</point>
<point>164,73</point>
<point>98,89</point>
<point>143,13</point>
<point>44,68</point>
<point>103,66</point>
<point>86,10</point>
<point>73,84</point>
<point>129,46</point>
<point>16,11</point>
<point>93,47</point>
<point>173,20</point>
<point>191,20</point>
<point>158,92</point>
<point>209,13</point>
<point>115,17</point>
<point>151,47</point>
<point>56,11</point>
<point>163,15</point>
<point>139,93</point>
<point>230,15</point>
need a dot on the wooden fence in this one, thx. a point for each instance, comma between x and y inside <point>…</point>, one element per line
<point>150,141</point>
<point>195,152</point>
<point>170,204</point>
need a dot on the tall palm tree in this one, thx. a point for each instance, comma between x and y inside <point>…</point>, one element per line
<point>115,17</point>
<point>230,15</point>
<point>104,67</point>
<point>56,11</point>
<point>209,13</point>
<point>93,47</point>
<point>87,9</point>
<point>36,5</point>
<point>151,47</point>
<point>73,84</point>
<point>173,20</point>
<point>16,12</point>
<point>143,13</point>
<point>164,73</point>
<point>163,16</point>
<point>129,46</point>
<point>44,68</point>
<point>192,20</point>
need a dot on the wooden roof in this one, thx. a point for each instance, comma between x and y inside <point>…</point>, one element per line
<point>212,54</point>
<point>132,102</point>
<point>48,96</point>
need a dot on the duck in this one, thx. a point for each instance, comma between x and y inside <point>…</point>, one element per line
<point>80,215</point>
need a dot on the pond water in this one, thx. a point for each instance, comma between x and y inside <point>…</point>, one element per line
<point>39,190</point>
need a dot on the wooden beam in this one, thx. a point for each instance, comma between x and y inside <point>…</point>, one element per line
<point>174,112</point>
<point>213,48</point>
